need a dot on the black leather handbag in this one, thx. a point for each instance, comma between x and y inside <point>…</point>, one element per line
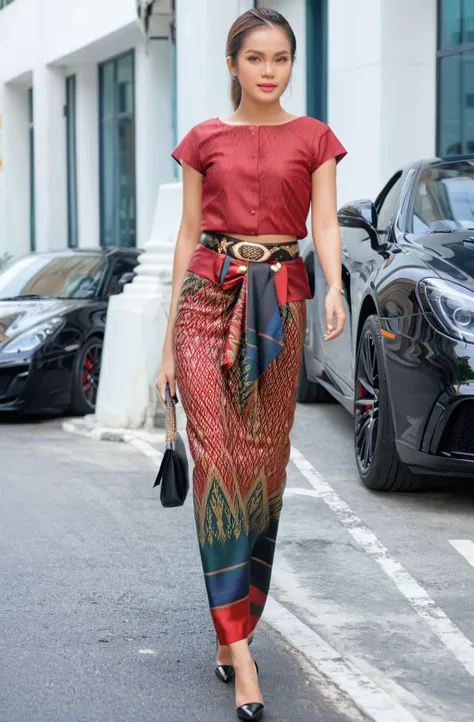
<point>173,474</point>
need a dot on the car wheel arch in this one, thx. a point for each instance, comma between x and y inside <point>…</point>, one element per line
<point>94,333</point>
<point>367,308</point>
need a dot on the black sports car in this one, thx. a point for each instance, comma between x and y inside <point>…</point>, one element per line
<point>404,364</point>
<point>52,320</point>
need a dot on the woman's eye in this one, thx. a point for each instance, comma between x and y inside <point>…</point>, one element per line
<point>254,57</point>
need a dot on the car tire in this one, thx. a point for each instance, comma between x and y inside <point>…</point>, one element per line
<point>385,472</point>
<point>84,375</point>
<point>310,392</point>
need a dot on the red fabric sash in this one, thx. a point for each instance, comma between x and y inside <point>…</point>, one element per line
<point>291,281</point>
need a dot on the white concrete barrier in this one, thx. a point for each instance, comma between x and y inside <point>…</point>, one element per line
<point>136,326</point>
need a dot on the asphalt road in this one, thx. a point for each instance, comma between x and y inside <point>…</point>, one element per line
<point>103,611</point>
<point>103,614</point>
<point>386,579</point>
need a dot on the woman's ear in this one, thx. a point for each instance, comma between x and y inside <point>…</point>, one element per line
<point>230,65</point>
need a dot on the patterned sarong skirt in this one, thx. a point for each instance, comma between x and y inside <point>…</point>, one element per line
<point>238,343</point>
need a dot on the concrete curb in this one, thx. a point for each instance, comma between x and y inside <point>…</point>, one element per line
<point>88,426</point>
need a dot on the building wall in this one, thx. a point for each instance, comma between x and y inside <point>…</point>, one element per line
<point>40,44</point>
<point>382,88</point>
<point>381,97</point>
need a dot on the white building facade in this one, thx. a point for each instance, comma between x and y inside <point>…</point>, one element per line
<point>89,114</point>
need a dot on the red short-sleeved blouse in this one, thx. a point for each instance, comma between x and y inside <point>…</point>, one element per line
<point>257,178</point>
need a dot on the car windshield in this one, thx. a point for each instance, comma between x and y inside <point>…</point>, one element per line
<point>444,199</point>
<point>75,276</point>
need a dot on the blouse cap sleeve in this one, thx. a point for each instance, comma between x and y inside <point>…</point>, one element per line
<point>188,150</point>
<point>326,146</point>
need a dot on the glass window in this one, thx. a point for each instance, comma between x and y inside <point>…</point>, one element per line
<point>75,276</point>
<point>71,161</point>
<point>387,206</point>
<point>450,23</point>
<point>455,77</point>
<point>450,110</point>
<point>469,21</point>
<point>125,84</point>
<point>117,152</point>
<point>468,95</point>
<point>444,197</point>
<point>107,90</point>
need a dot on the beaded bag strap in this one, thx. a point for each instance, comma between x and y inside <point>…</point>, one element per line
<point>170,416</point>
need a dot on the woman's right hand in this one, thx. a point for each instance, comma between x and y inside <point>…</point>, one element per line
<point>166,374</point>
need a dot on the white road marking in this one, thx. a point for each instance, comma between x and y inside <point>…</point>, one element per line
<point>464,547</point>
<point>424,606</point>
<point>145,448</point>
<point>372,700</point>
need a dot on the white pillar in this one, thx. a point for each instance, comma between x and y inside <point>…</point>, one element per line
<point>153,131</point>
<point>293,99</point>
<point>382,88</point>
<point>87,151</point>
<point>136,326</point>
<point>50,158</point>
<point>3,221</point>
<point>408,116</point>
<point>202,75</point>
<point>14,178</point>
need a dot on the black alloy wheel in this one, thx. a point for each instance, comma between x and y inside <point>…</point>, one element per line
<point>86,374</point>
<point>378,463</point>
<point>366,402</point>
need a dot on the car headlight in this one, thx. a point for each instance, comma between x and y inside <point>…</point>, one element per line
<point>452,306</point>
<point>33,337</point>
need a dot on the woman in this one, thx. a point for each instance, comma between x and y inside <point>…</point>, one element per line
<point>237,321</point>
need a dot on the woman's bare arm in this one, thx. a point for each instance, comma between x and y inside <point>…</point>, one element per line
<point>188,238</point>
<point>327,241</point>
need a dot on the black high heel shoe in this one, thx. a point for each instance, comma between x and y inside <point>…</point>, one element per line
<point>251,710</point>
<point>225,672</point>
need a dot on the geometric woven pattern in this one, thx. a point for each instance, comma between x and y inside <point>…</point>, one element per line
<point>240,450</point>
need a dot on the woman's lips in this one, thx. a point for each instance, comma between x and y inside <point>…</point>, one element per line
<point>267,87</point>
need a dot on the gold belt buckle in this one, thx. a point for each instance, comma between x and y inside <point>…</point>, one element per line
<point>253,251</point>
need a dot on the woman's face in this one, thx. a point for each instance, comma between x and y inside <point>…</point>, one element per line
<point>264,64</point>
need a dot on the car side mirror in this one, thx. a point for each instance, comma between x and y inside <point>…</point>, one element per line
<point>125,278</point>
<point>117,286</point>
<point>358,214</point>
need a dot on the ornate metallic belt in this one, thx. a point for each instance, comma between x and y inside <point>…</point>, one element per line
<point>249,251</point>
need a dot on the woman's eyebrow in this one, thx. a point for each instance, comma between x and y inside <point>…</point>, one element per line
<point>260,52</point>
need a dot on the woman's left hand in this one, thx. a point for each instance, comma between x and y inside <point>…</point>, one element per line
<point>334,307</point>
